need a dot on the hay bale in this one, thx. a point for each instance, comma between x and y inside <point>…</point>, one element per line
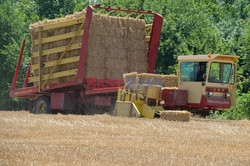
<point>95,62</point>
<point>166,80</point>
<point>113,36</point>
<point>128,76</point>
<point>136,54</point>
<point>169,88</point>
<point>95,72</point>
<point>115,53</point>
<point>176,115</point>
<point>154,79</point>
<point>170,81</point>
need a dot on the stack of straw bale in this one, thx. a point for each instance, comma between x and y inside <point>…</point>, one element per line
<point>51,57</point>
<point>166,81</point>
<point>116,46</point>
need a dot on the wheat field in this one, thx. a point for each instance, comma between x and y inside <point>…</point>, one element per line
<point>28,139</point>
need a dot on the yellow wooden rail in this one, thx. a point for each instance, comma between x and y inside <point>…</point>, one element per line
<point>148,26</point>
<point>54,75</point>
<point>57,37</point>
<point>120,13</point>
<point>101,11</point>
<point>130,14</point>
<point>148,29</point>
<point>139,16</point>
<point>39,58</point>
<point>53,63</point>
<point>58,49</point>
<point>61,24</point>
<point>147,38</point>
<point>64,52</point>
<point>112,11</point>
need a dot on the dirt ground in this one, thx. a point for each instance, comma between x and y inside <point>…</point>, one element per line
<point>27,139</point>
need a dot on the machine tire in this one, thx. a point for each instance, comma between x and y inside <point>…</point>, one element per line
<point>42,105</point>
<point>205,113</point>
<point>111,108</point>
<point>31,105</point>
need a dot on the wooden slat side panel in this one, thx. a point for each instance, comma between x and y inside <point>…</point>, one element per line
<point>148,26</point>
<point>54,75</point>
<point>57,37</point>
<point>52,63</point>
<point>62,24</point>
<point>56,50</point>
<point>147,38</point>
<point>39,59</point>
<point>62,55</point>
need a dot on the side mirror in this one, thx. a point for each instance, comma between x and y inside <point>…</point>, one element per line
<point>204,76</point>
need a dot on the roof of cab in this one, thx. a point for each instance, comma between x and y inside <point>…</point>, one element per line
<point>208,57</point>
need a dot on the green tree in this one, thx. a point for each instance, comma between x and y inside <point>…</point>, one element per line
<point>49,9</point>
<point>14,26</point>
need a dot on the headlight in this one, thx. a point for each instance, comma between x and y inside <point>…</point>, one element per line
<point>210,94</point>
<point>227,95</point>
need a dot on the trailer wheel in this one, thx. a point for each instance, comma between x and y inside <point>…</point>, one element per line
<point>42,105</point>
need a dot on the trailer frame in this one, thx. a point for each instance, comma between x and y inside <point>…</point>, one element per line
<point>33,92</point>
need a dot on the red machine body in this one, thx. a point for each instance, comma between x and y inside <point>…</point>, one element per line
<point>178,99</point>
<point>174,97</point>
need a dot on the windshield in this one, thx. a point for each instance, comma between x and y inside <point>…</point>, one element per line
<point>221,73</point>
<point>193,71</point>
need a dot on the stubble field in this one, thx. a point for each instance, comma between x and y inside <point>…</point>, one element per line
<point>28,139</point>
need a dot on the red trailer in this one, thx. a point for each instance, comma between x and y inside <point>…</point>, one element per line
<point>84,92</point>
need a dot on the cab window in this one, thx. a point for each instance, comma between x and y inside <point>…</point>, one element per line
<point>193,71</point>
<point>232,75</point>
<point>221,73</point>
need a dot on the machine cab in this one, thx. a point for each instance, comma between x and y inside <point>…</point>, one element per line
<point>210,80</point>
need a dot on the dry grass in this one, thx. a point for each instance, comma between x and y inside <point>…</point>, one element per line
<point>28,139</point>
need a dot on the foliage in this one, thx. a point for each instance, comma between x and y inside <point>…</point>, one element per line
<point>15,18</point>
<point>190,27</point>
<point>55,8</point>
<point>240,111</point>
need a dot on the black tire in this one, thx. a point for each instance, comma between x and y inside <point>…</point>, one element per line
<point>111,108</point>
<point>31,105</point>
<point>42,105</point>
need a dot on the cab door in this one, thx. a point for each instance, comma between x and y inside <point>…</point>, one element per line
<point>232,85</point>
<point>194,89</point>
<point>222,81</point>
<point>192,77</point>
